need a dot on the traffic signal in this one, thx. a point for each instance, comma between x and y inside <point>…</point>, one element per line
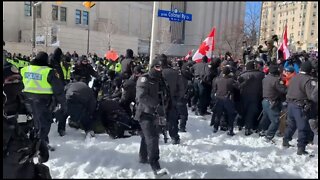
<point>88,4</point>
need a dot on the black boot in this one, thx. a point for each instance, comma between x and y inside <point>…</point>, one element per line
<point>215,130</point>
<point>182,129</point>
<point>262,133</point>
<point>285,143</point>
<point>62,132</point>
<point>230,133</point>
<point>302,151</point>
<point>248,132</point>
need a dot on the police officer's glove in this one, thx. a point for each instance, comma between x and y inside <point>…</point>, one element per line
<point>43,152</point>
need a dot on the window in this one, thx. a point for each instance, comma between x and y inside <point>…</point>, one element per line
<point>54,35</point>
<point>305,6</point>
<point>293,19</point>
<point>38,9</point>
<point>274,8</point>
<point>27,8</point>
<point>287,12</point>
<point>54,12</point>
<point>63,14</point>
<point>280,22</point>
<point>273,22</point>
<point>298,33</point>
<point>304,14</point>
<point>312,23</point>
<point>274,15</point>
<point>299,24</point>
<point>280,14</point>
<point>301,33</point>
<point>292,27</point>
<point>312,32</point>
<point>302,23</point>
<point>315,6</point>
<point>85,17</point>
<point>314,14</point>
<point>78,16</point>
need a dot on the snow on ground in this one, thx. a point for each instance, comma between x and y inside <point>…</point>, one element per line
<point>201,154</point>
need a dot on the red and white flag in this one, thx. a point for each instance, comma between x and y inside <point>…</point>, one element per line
<point>284,46</point>
<point>206,48</point>
<point>188,55</point>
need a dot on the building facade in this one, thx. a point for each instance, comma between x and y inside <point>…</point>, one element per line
<point>301,19</point>
<point>118,25</point>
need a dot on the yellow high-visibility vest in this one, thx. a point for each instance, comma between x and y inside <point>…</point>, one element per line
<point>118,67</point>
<point>34,79</point>
<point>66,72</point>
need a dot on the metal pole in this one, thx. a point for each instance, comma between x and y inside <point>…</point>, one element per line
<point>88,40</point>
<point>154,30</point>
<point>34,15</point>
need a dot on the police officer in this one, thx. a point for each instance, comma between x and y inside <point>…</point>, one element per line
<point>147,100</point>
<point>129,90</point>
<point>127,64</point>
<point>224,88</point>
<point>184,76</point>
<point>41,84</point>
<point>171,78</point>
<point>201,86</point>
<point>298,98</point>
<point>55,62</point>
<point>84,71</point>
<point>273,91</point>
<point>250,96</point>
<point>66,69</point>
<point>81,105</point>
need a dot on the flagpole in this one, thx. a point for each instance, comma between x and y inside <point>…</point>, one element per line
<point>154,32</point>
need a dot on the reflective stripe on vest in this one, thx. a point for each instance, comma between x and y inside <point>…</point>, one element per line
<point>35,79</point>
<point>66,72</point>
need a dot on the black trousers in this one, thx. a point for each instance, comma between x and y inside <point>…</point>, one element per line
<point>149,146</point>
<point>182,112</point>
<point>80,113</point>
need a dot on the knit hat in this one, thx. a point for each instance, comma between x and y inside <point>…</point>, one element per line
<point>226,70</point>
<point>273,69</point>
<point>41,59</point>
<point>306,67</point>
<point>250,65</point>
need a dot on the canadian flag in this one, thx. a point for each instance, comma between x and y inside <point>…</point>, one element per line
<point>188,55</point>
<point>206,48</point>
<point>284,46</point>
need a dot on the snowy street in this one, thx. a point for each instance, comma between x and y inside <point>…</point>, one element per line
<point>201,154</point>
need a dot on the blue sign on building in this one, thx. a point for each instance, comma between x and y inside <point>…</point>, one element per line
<point>175,15</point>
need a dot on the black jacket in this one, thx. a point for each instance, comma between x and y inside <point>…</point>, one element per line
<point>147,97</point>
<point>273,87</point>
<point>251,84</point>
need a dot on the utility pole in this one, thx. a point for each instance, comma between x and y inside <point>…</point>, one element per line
<point>154,31</point>
<point>88,36</point>
<point>34,16</point>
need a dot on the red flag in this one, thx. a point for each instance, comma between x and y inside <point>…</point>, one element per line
<point>284,46</point>
<point>206,48</point>
<point>188,55</point>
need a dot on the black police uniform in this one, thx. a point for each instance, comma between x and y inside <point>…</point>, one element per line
<point>147,100</point>
<point>127,64</point>
<point>224,88</point>
<point>273,91</point>
<point>81,104</point>
<point>250,96</point>
<point>83,72</point>
<point>201,86</point>
<point>298,98</point>
<point>42,105</point>
<point>171,78</point>
<point>182,102</point>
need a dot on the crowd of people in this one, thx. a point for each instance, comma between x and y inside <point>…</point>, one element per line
<point>262,94</point>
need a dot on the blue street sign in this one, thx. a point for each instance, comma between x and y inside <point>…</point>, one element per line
<point>175,15</point>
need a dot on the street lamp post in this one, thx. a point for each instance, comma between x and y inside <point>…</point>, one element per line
<point>154,30</point>
<point>33,4</point>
